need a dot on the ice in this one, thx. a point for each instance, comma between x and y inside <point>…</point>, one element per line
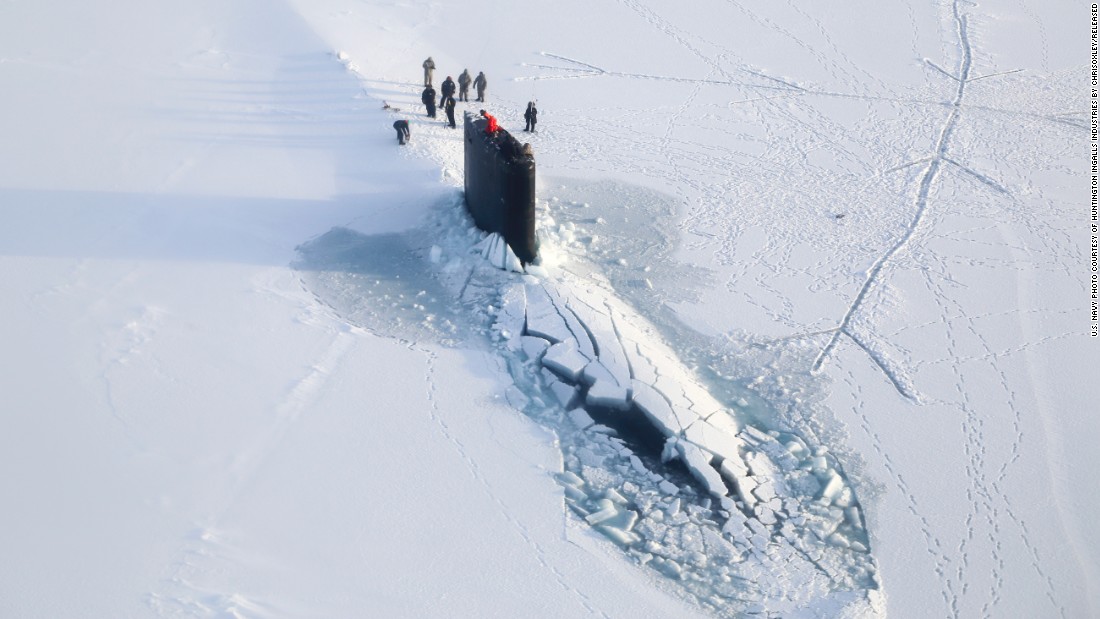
<point>496,251</point>
<point>640,364</point>
<point>698,463</point>
<point>543,319</point>
<point>511,317</point>
<point>765,515</point>
<point>566,395</point>
<point>580,418</point>
<point>833,485</point>
<point>607,511</point>
<point>570,478</point>
<point>655,408</point>
<point>620,537</point>
<point>533,347</point>
<point>760,465</point>
<point>714,440</point>
<point>765,491</point>
<point>745,486</point>
<point>613,495</point>
<point>575,325</point>
<point>703,403</point>
<point>611,355</point>
<point>685,417</point>
<point>565,360</point>
<point>608,394</point>
<point>596,371</point>
<point>156,238</point>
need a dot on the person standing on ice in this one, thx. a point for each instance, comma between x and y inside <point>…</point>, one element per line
<point>402,128</point>
<point>531,116</point>
<point>428,98</point>
<point>446,90</point>
<point>464,85</point>
<point>429,68</point>
<point>449,107</point>
<point>480,83</point>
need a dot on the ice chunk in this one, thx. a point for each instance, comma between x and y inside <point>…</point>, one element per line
<point>725,421</point>
<point>734,468</point>
<point>758,527</point>
<point>760,465</point>
<point>819,464</point>
<point>609,348</point>
<point>607,511</point>
<point>655,408</point>
<point>670,387</point>
<point>702,402</point>
<point>566,395</point>
<point>570,478</point>
<point>765,515</point>
<point>580,418</point>
<point>575,493</point>
<point>596,371</point>
<point>714,440</point>
<point>765,491</point>
<point>533,347</point>
<point>497,252</point>
<point>513,311</point>
<point>573,323</point>
<point>516,397</point>
<point>754,436</point>
<point>612,495</point>
<point>608,394</point>
<point>698,463</point>
<point>745,485</point>
<point>543,319</point>
<point>833,485</point>
<point>565,360</point>
<point>623,538</point>
<point>637,355</point>
<point>668,487</point>
<point>685,416</point>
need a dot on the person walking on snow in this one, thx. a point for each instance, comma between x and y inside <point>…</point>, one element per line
<point>402,128</point>
<point>429,68</point>
<point>428,97</point>
<point>449,107</point>
<point>480,83</point>
<point>464,85</point>
<point>447,89</point>
<point>531,116</point>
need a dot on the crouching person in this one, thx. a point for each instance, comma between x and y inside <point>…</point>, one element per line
<point>402,128</point>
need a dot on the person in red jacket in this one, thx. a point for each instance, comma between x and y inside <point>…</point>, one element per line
<point>492,126</point>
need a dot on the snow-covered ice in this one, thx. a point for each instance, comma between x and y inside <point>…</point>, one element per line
<point>808,337</point>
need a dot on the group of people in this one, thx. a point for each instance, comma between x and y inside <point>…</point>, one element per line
<point>447,101</point>
<point>464,82</point>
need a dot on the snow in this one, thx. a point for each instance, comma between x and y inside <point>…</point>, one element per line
<point>257,363</point>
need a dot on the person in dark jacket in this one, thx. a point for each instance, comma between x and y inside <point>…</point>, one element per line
<point>531,116</point>
<point>428,97</point>
<point>480,83</point>
<point>446,90</point>
<point>429,68</point>
<point>402,128</point>
<point>449,107</point>
<point>464,85</point>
